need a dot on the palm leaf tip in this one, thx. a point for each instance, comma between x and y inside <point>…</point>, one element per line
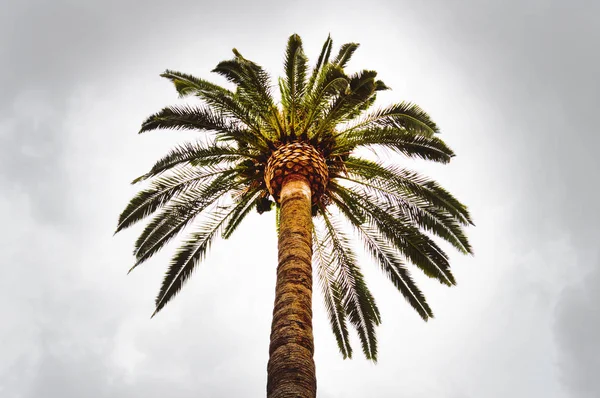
<point>345,53</point>
<point>137,179</point>
<point>381,86</point>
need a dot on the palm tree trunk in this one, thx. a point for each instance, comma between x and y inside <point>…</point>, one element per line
<point>291,368</point>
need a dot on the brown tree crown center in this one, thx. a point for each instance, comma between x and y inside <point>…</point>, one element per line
<point>297,159</point>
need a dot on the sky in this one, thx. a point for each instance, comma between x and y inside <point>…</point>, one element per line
<point>514,87</point>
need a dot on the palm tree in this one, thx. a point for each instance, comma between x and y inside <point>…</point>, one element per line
<point>299,156</point>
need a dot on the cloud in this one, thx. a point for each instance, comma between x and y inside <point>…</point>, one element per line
<point>513,86</point>
<point>577,327</point>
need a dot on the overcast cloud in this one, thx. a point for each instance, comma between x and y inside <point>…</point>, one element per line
<point>514,86</point>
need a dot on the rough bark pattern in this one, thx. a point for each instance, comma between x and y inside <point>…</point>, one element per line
<point>298,158</point>
<point>291,368</point>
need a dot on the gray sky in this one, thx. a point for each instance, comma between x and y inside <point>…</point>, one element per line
<point>514,86</point>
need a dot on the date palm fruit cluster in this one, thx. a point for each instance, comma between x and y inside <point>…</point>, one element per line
<point>250,142</point>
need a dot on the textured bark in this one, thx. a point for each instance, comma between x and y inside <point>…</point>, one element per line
<point>291,368</point>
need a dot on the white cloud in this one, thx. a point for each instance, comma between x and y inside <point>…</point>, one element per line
<point>504,83</point>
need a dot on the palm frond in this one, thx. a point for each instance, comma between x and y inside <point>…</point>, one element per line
<point>189,255</point>
<point>196,154</point>
<point>381,86</point>
<point>404,115</point>
<point>349,103</point>
<point>295,66</point>
<point>164,189</point>
<point>421,213</point>
<point>331,81</point>
<point>321,62</point>
<point>254,89</point>
<point>187,117</point>
<point>346,52</point>
<point>410,184</point>
<point>178,214</point>
<point>386,257</point>
<point>400,140</point>
<point>412,243</point>
<point>332,292</point>
<point>187,85</point>
<point>358,302</point>
<point>220,99</point>
<point>249,199</point>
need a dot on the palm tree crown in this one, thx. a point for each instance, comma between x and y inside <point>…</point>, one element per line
<point>322,119</point>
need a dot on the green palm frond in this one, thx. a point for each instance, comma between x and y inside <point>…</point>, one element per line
<point>399,140</point>
<point>332,292</point>
<point>196,154</point>
<point>408,240</point>
<point>411,184</point>
<point>386,257</point>
<point>294,84</point>
<point>421,213</point>
<point>192,251</point>
<point>359,304</point>
<point>331,81</point>
<point>404,115</point>
<point>187,117</point>
<point>350,102</point>
<point>346,52</point>
<point>321,62</point>
<point>248,199</point>
<point>179,213</point>
<point>220,100</point>
<point>164,189</point>
<point>253,90</point>
<point>190,85</point>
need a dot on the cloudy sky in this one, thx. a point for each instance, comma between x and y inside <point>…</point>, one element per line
<point>514,86</point>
